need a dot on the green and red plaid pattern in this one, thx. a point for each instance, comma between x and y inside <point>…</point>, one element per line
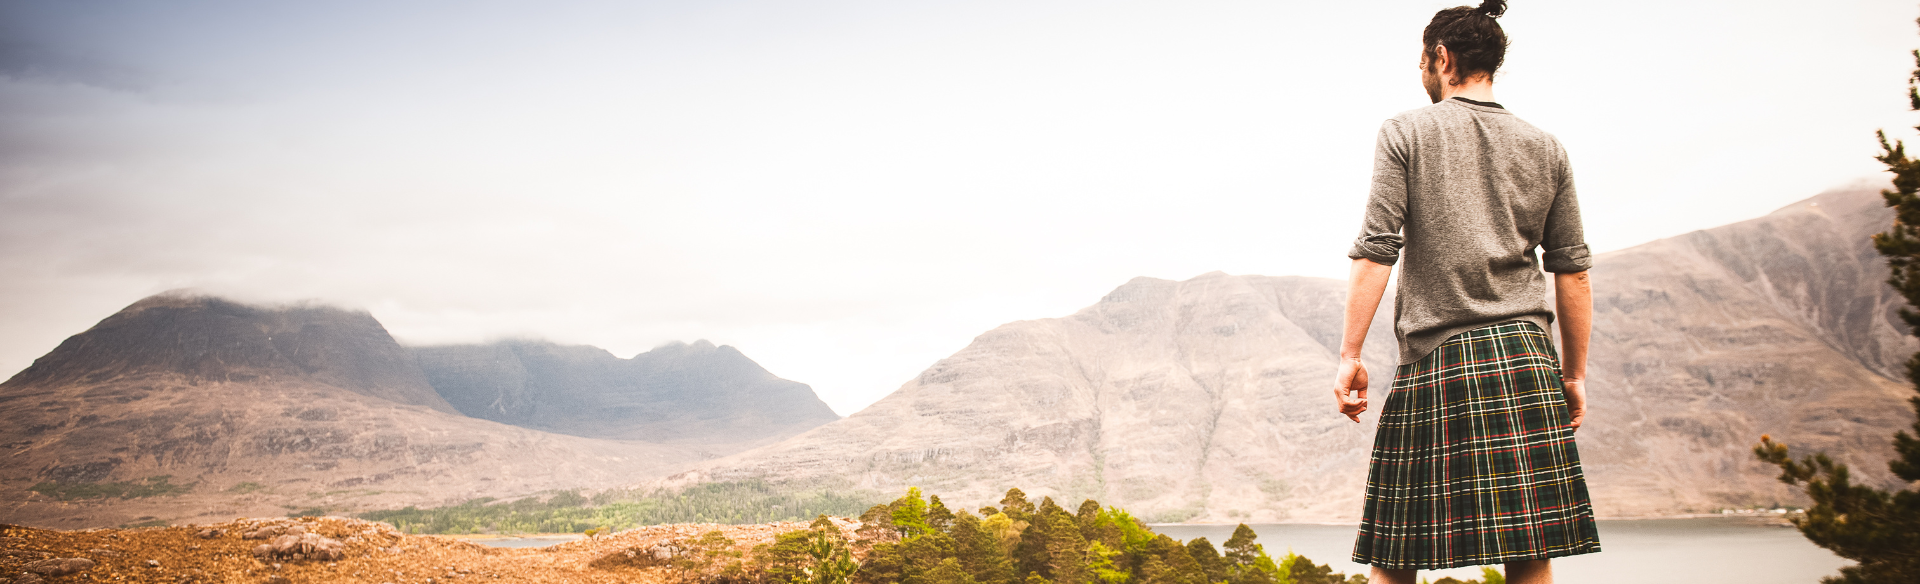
<point>1474,463</point>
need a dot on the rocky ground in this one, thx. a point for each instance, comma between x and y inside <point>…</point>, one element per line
<point>333,549</point>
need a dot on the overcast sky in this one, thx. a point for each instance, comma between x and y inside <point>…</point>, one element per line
<point>846,191</point>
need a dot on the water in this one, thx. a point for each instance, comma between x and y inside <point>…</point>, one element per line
<point>1652,551</point>
<point>525,542</point>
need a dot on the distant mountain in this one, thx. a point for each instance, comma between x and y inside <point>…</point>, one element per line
<point>678,393</point>
<point>1783,324</point>
<point>265,410</point>
<point>202,339</point>
<point>1209,399</point>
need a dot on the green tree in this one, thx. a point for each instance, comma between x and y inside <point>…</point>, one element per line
<point>1100,563</point>
<point>1052,546</point>
<point>1169,563</point>
<point>948,571</point>
<point>1878,529</point>
<point>1247,562</point>
<point>910,514</point>
<point>1134,535</point>
<point>832,562</point>
<point>981,551</point>
<point>1016,506</point>
<point>1089,511</point>
<point>938,516</point>
<point>1211,564</point>
<point>787,559</point>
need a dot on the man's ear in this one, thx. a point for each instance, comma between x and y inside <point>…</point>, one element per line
<point>1442,60</point>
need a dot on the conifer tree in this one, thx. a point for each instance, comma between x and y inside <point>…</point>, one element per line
<point>980,551</point>
<point>1016,506</point>
<point>1878,529</point>
<point>1066,549</point>
<point>1180,565</point>
<point>1089,511</point>
<point>1247,562</point>
<point>938,516</point>
<point>832,562</point>
<point>1211,564</point>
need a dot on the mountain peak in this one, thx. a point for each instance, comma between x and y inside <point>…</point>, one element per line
<point>206,338</point>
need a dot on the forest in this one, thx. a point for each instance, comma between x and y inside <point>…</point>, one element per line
<point>570,512</point>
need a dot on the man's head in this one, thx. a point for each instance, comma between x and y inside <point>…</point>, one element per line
<point>1463,44</point>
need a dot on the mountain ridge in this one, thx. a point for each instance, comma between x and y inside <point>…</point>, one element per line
<point>1779,324</point>
<point>692,393</point>
<point>266,409</point>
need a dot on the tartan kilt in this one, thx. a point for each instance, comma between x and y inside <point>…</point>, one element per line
<point>1473,462</point>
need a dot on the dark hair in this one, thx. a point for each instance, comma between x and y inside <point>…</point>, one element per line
<point>1473,37</point>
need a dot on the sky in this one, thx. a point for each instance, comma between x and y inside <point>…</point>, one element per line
<point>846,191</point>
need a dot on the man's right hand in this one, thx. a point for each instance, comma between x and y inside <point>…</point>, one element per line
<point>1350,388</point>
<point>1576,394</point>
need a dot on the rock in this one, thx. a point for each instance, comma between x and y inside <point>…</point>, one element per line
<point>277,579</point>
<point>27,578</point>
<point>153,563</point>
<point>210,533</point>
<point>301,546</point>
<point>54,567</point>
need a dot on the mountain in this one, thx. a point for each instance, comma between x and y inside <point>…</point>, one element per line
<point>679,393</point>
<point>1783,324</point>
<point>210,340</point>
<point>264,410</point>
<point>1208,399</point>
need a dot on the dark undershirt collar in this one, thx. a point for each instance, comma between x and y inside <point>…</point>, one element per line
<point>1480,103</point>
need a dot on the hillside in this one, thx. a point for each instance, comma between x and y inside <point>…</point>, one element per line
<point>201,339</point>
<point>696,394</point>
<point>1207,400</point>
<point>1196,400</point>
<point>262,411</point>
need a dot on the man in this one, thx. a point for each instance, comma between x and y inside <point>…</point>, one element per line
<point>1474,461</point>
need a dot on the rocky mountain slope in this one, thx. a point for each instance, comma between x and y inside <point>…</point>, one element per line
<point>262,411</point>
<point>1783,324</point>
<point>1202,400</point>
<point>211,340</point>
<point>679,393</point>
<point>1208,399</point>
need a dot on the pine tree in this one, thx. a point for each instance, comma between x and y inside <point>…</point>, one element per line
<point>938,516</point>
<point>1066,548</point>
<point>1180,567</point>
<point>1878,529</point>
<point>1089,511</point>
<point>1211,564</point>
<point>1015,505</point>
<point>909,514</point>
<point>980,551</point>
<point>1247,562</point>
<point>832,562</point>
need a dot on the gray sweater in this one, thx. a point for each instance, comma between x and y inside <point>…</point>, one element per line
<point>1465,193</point>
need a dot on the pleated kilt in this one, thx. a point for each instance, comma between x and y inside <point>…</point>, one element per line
<point>1473,462</point>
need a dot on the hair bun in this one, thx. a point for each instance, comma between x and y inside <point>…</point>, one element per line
<point>1493,8</point>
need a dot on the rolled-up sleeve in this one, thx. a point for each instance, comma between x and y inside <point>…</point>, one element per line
<point>1564,243</point>
<point>1380,239</point>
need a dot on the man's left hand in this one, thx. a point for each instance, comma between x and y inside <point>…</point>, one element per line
<point>1350,388</point>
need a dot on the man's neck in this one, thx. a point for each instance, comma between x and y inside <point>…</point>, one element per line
<point>1477,89</point>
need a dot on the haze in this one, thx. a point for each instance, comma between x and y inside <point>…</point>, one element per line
<point>846,191</point>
